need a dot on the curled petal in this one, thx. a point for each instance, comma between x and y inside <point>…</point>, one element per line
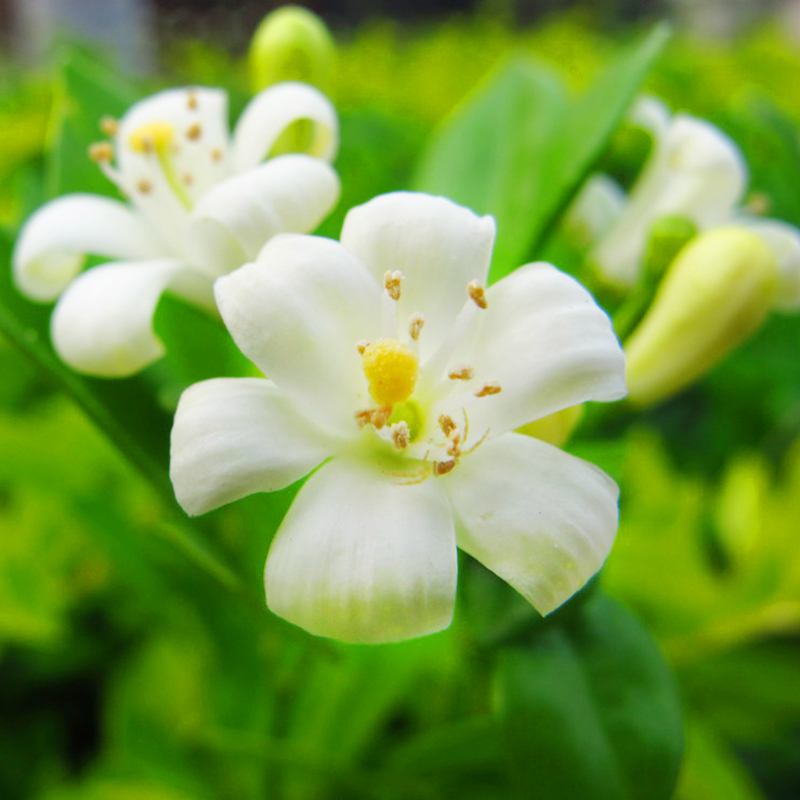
<point>784,241</point>
<point>364,559</point>
<point>299,313</point>
<point>236,436</point>
<point>103,323</point>
<point>541,519</point>
<point>52,245</point>
<point>288,194</point>
<point>437,245</point>
<point>271,112</point>
<point>547,344</point>
<point>651,113</point>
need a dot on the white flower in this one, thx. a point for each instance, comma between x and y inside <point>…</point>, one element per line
<point>694,171</point>
<point>201,204</point>
<point>395,376</point>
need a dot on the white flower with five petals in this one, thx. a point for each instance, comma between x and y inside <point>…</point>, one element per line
<point>397,381</point>
<point>202,203</point>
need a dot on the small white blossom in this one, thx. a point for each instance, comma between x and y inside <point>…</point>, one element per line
<point>201,203</point>
<point>398,379</point>
<point>694,171</point>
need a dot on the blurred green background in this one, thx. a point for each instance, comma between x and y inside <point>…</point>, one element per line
<point>133,666</point>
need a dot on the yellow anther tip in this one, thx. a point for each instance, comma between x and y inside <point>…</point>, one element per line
<point>391,368</point>
<point>152,137</point>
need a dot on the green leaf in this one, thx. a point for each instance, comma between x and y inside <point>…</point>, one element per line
<point>587,129</point>
<point>517,150</point>
<point>86,92</point>
<point>489,154</point>
<point>589,709</point>
<point>125,410</point>
<point>198,347</point>
<point>712,771</point>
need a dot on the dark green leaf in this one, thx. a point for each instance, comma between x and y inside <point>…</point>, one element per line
<point>589,709</point>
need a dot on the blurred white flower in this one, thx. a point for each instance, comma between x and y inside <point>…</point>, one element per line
<point>397,381</point>
<point>201,204</point>
<point>694,171</point>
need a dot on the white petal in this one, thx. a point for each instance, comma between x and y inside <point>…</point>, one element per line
<point>438,245</point>
<point>695,171</point>
<point>272,111</point>
<point>651,113</point>
<point>784,241</point>
<point>52,245</point>
<point>199,118</point>
<point>363,559</point>
<point>549,346</point>
<point>236,436</point>
<point>595,209</point>
<point>538,517</point>
<point>229,226</point>
<point>103,323</point>
<point>299,313</point>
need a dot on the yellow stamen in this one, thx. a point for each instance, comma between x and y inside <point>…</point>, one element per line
<point>488,389</point>
<point>109,126</point>
<point>194,131</point>
<point>101,152</point>
<point>392,369</point>
<point>477,293</point>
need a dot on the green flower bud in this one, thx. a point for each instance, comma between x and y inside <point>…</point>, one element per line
<point>291,44</point>
<point>668,236</point>
<point>555,428</point>
<point>630,148</point>
<point>713,296</point>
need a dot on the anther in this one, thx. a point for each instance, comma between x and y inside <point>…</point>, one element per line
<point>477,293</point>
<point>109,126</point>
<point>144,186</point>
<point>363,417</point>
<point>191,99</point>
<point>443,467</point>
<point>461,374</point>
<point>380,416</point>
<point>188,180</point>
<point>362,345</point>
<point>415,325</point>
<point>193,132</point>
<point>493,387</point>
<point>101,152</point>
<point>401,435</point>
<point>446,424</point>
<point>216,154</point>
<point>391,282</point>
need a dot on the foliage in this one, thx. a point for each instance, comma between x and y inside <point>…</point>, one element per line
<point>136,657</point>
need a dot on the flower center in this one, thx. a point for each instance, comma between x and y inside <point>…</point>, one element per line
<point>158,138</point>
<point>391,369</point>
<point>152,137</point>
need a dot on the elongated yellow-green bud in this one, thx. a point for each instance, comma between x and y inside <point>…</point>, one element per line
<point>555,428</point>
<point>291,44</point>
<point>714,295</point>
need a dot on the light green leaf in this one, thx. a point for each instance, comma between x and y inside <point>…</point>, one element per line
<point>517,150</point>
<point>489,154</point>
<point>589,709</point>
<point>85,93</point>
<point>125,410</point>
